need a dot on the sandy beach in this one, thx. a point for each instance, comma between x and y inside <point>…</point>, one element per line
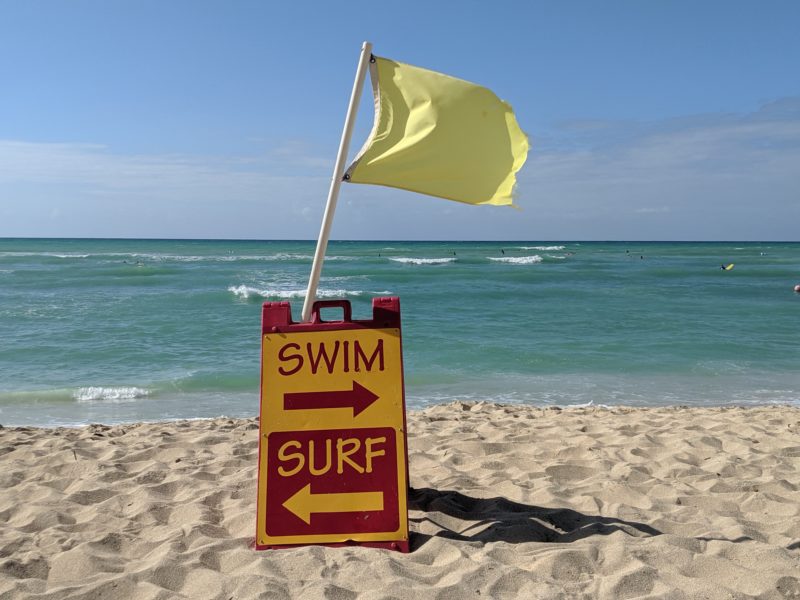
<point>506,502</point>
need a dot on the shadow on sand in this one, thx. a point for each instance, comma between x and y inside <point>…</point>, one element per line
<point>501,520</point>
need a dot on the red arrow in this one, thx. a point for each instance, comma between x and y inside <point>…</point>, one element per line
<point>359,399</point>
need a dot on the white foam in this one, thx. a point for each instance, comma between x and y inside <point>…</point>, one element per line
<point>245,291</point>
<point>517,260</point>
<point>109,394</point>
<point>278,257</point>
<point>226,257</point>
<point>189,258</point>
<point>213,257</point>
<point>344,278</point>
<point>422,261</point>
<point>288,256</point>
<point>47,254</point>
<point>551,248</point>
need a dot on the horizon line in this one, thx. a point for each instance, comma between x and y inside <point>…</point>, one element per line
<point>460,241</point>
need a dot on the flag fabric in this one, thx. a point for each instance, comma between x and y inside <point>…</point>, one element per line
<point>439,135</point>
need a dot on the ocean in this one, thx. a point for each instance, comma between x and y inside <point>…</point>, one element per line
<point>115,331</point>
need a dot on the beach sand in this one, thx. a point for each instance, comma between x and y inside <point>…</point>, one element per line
<point>506,502</point>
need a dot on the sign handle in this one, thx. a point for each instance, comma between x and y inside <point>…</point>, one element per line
<point>336,182</point>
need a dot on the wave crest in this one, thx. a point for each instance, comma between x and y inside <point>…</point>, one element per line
<point>517,260</point>
<point>109,394</point>
<point>246,291</point>
<point>550,248</point>
<point>422,261</point>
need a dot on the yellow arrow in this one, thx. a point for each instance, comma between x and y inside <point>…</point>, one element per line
<point>303,503</point>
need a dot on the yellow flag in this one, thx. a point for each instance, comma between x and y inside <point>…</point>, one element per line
<point>438,135</point>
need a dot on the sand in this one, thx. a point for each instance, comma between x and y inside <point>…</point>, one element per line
<point>506,502</point>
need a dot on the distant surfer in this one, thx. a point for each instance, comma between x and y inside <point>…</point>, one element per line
<point>503,252</point>
<point>727,267</point>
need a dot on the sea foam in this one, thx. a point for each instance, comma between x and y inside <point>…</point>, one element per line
<point>246,291</point>
<point>109,394</point>
<point>517,260</point>
<point>551,248</point>
<point>43,254</point>
<point>422,261</point>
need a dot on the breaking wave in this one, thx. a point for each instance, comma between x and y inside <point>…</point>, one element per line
<point>109,394</point>
<point>423,261</point>
<point>517,260</point>
<point>550,248</point>
<point>42,254</point>
<point>245,291</point>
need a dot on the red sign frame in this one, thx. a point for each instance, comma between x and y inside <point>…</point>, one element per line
<point>343,484</point>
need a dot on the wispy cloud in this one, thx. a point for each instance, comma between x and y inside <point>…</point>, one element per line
<point>715,176</point>
<point>87,189</point>
<point>652,210</point>
<point>734,176</point>
<point>97,166</point>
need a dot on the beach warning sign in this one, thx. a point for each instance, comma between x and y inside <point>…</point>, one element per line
<point>332,445</point>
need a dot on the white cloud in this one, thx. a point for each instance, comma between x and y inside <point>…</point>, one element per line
<point>649,210</point>
<point>705,177</point>
<point>97,192</point>
<point>699,177</point>
<point>96,166</point>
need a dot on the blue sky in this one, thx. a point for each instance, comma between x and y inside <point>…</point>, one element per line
<point>199,119</point>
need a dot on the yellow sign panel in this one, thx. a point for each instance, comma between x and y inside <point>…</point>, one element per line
<point>332,463</point>
<point>353,363</point>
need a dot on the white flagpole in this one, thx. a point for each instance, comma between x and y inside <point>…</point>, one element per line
<point>336,182</point>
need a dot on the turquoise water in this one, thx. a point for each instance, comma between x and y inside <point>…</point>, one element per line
<point>125,330</point>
